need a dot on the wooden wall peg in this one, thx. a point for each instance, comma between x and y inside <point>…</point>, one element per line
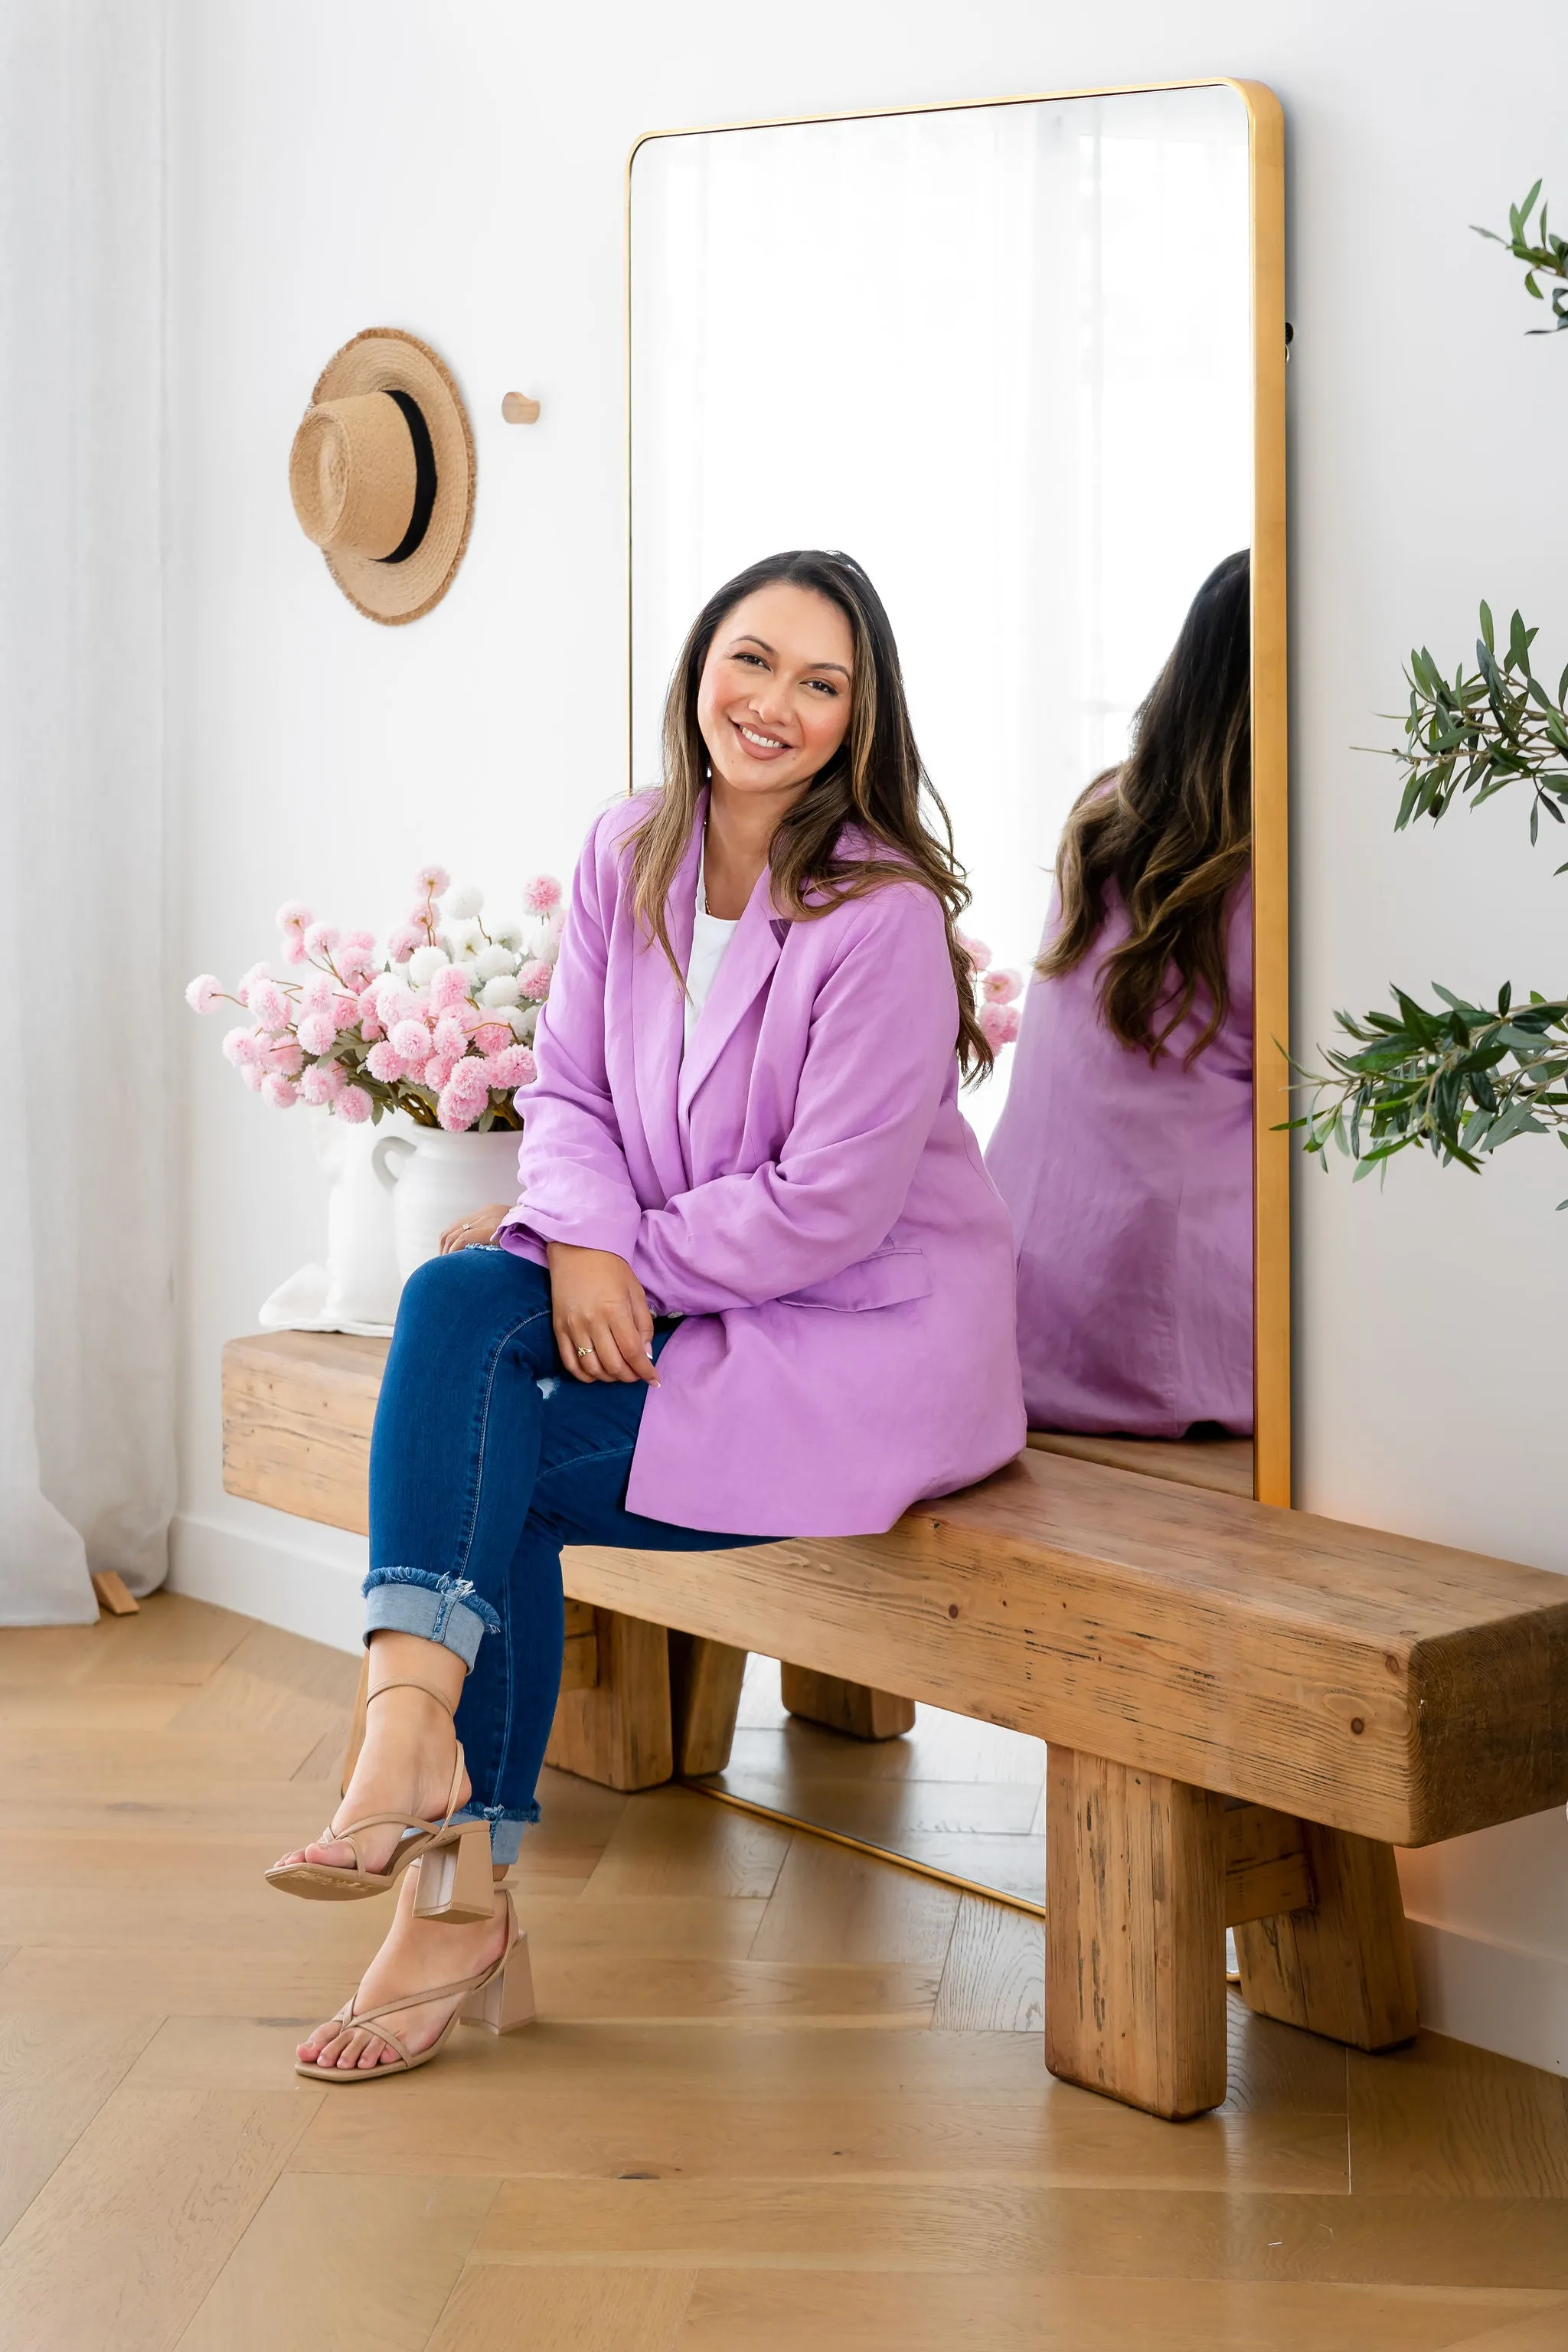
<point>518,409</point>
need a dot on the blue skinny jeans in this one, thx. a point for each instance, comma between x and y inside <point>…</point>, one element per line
<point>487,1457</point>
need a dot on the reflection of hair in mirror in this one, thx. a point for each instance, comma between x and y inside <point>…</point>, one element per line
<point>876,781</point>
<point>1171,828</point>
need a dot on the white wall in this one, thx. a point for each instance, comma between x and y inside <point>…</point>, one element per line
<point>457,169</point>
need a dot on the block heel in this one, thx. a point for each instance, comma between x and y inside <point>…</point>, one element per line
<point>456,1879</point>
<point>507,2001</point>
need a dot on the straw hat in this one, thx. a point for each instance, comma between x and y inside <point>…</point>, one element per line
<point>382,474</point>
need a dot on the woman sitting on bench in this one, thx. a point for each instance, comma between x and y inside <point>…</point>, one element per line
<point>758,1283</point>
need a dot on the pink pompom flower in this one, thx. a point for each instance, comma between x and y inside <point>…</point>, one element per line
<point>293,915</point>
<point>451,1037</point>
<point>239,1048</point>
<point>321,1082</point>
<point>510,1066</point>
<point>205,993</point>
<point>977,951</point>
<point>354,1105</point>
<point>321,939</point>
<point>344,1010</point>
<point>356,955</point>
<point>433,881</point>
<point>494,1038</point>
<point>449,986</point>
<point>540,894</point>
<point>316,992</point>
<point>534,980</point>
<point>402,943</point>
<point>257,972</point>
<point>255,1076</point>
<point>527,1078</point>
<point>282,1093</point>
<point>1001,986</point>
<point>999,1024</point>
<point>412,1039</point>
<point>317,1032</point>
<point>438,1069</point>
<point>385,1063</point>
<point>270,1005</point>
<point>283,1055</point>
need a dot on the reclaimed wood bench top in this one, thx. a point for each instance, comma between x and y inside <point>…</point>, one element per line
<point>1403,1690</point>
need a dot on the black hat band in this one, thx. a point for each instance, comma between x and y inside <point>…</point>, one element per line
<point>423,478</point>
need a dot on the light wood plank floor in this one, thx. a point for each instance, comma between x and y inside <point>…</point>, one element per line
<point>780,2099</point>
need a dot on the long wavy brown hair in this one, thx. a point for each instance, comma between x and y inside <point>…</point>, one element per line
<point>876,781</point>
<point>1172,827</point>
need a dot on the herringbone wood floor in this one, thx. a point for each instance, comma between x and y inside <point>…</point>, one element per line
<point>780,2099</point>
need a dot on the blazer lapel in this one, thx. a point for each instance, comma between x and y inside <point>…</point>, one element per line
<point>658,1020</point>
<point>749,960</point>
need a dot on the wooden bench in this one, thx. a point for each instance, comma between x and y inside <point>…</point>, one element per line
<point>1247,1708</point>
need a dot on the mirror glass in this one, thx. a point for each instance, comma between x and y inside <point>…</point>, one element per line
<point>1003,356</point>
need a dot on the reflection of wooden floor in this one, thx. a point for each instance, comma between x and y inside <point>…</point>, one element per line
<point>781,2099</point>
<point>1225,1464</point>
<point>964,1797</point>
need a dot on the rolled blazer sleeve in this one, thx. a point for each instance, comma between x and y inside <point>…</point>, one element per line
<point>575,1181</point>
<point>883,1034</point>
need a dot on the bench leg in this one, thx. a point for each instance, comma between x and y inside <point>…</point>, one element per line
<point>852,1707</point>
<point>1135,1873</point>
<point>705,1680</point>
<point>618,1730</point>
<point>1341,1969</point>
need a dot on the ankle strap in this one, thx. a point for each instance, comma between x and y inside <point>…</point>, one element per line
<point>382,1688</point>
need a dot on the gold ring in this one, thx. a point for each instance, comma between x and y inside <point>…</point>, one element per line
<point>585,1352</point>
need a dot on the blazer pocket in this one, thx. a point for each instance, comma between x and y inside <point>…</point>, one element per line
<point>885,1279</point>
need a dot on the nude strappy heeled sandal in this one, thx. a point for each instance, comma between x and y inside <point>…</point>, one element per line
<point>457,1883</point>
<point>500,1997</point>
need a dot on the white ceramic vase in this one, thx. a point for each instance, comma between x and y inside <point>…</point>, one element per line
<point>435,1178</point>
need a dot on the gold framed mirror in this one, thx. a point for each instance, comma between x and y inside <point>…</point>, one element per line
<point>1024,359</point>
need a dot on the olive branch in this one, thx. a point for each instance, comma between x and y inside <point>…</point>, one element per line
<point>1458,1080</point>
<point>1548,259</point>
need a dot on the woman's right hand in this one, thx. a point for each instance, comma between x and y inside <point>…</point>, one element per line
<point>600,1312</point>
<point>482,1226</point>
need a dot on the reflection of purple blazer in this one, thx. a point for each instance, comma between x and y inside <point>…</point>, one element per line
<point>1131,1192</point>
<point>800,1185</point>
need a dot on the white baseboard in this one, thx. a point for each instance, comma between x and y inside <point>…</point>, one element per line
<point>1491,1994</point>
<point>305,1587</point>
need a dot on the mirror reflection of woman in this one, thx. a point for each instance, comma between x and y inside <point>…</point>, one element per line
<point>1124,1149</point>
<point>758,1285</point>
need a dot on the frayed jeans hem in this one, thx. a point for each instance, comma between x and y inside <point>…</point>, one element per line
<point>442,1609</point>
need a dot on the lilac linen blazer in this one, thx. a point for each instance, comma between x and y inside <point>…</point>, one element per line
<point>799,1185</point>
<point>1131,1192</point>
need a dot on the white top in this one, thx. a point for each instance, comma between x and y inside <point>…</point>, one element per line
<point>709,938</point>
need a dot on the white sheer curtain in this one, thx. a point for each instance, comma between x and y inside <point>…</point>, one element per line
<point>1000,355</point>
<point>86,1388</point>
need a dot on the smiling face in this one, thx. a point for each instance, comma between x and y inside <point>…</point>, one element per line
<point>774,700</point>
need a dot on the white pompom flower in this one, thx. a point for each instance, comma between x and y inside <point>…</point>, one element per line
<point>464,942</point>
<point>510,932</point>
<point>424,963</point>
<point>493,962</point>
<point>465,900</point>
<point>524,1019</point>
<point>501,990</point>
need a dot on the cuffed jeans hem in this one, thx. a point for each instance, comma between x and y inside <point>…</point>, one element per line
<point>506,1829</point>
<point>443,1609</point>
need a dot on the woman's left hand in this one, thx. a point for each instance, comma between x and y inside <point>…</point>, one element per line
<point>482,1226</point>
